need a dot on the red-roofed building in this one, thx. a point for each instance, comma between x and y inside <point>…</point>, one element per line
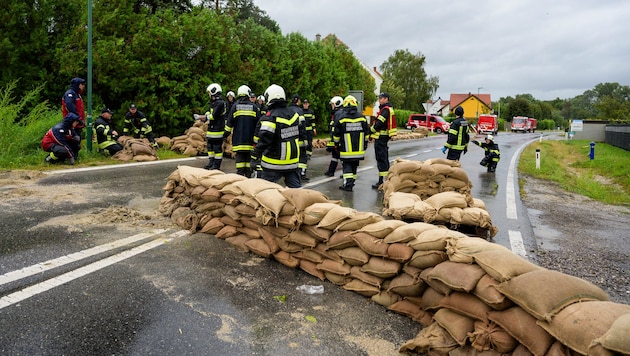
<point>472,104</point>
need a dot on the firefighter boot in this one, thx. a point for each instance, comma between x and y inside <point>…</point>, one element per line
<point>331,169</point>
<point>347,185</point>
<point>378,184</point>
<point>210,163</point>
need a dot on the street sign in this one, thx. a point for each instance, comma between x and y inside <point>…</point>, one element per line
<point>576,125</point>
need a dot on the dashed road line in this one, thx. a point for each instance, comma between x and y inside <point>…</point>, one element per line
<point>516,243</point>
<point>51,283</point>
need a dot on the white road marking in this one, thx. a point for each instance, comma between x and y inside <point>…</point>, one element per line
<point>335,177</point>
<point>73,257</point>
<point>411,155</point>
<point>516,243</point>
<point>510,193</point>
<point>51,283</point>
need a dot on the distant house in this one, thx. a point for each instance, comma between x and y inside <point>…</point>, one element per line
<point>473,105</point>
<point>439,107</point>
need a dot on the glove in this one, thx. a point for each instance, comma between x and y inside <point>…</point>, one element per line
<point>444,150</point>
<point>329,148</point>
<point>465,150</point>
<point>155,145</point>
<point>475,142</point>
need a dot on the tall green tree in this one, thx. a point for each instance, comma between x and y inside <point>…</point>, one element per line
<point>406,70</point>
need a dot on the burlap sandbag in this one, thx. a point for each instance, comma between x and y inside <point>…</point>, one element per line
<point>616,339</point>
<point>489,336</point>
<point>577,325</point>
<point>314,213</point>
<point>358,220</point>
<point>522,326</point>
<point>385,298</point>
<point>334,267</point>
<point>336,216</point>
<point>435,239</point>
<point>457,276</point>
<point>400,252</point>
<point>310,255</point>
<point>447,200</point>
<point>382,228</point>
<point>301,198</point>
<point>476,217</point>
<point>361,287</point>
<point>503,264</point>
<point>355,272</point>
<point>464,250</point>
<point>381,267</point>
<point>466,304</point>
<point>321,235</point>
<point>259,247</point>
<point>239,241</point>
<point>271,200</point>
<point>409,309</point>
<point>322,249</point>
<point>400,166</point>
<point>408,232</point>
<point>434,283</point>
<point>340,240</point>
<point>457,325</point>
<point>431,299</point>
<point>337,279</point>
<point>218,179</point>
<point>269,238</point>
<point>407,285</point>
<point>286,259</point>
<point>543,293</point>
<point>432,338</point>
<point>371,245</point>
<point>426,259</point>
<point>212,226</point>
<point>302,238</point>
<point>486,291</point>
<point>186,218</point>
<point>253,186</point>
<point>354,256</point>
<point>311,268</point>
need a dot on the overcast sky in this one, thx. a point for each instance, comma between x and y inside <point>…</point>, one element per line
<point>550,49</point>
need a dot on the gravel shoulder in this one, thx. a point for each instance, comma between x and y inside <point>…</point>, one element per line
<point>581,237</point>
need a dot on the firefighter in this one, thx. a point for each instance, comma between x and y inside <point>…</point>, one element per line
<point>295,106</point>
<point>72,102</point>
<point>309,125</point>
<point>106,135</point>
<point>336,105</point>
<point>261,105</point>
<point>277,151</point>
<point>60,140</point>
<point>241,123</point>
<point>383,129</point>
<point>137,125</point>
<point>350,135</point>
<point>457,140</point>
<point>215,117</point>
<point>492,153</point>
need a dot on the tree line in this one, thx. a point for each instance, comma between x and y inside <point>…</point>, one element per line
<point>161,55</point>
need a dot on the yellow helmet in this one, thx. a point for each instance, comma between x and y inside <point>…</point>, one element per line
<point>349,101</point>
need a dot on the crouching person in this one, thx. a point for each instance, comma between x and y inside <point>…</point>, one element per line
<point>106,135</point>
<point>61,140</point>
<point>492,153</point>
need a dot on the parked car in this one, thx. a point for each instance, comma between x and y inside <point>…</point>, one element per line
<point>433,123</point>
<point>488,124</point>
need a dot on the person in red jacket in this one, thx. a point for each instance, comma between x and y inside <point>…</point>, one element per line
<point>60,139</point>
<point>72,102</point>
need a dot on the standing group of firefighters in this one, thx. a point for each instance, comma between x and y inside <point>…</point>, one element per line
<point>272,137</point>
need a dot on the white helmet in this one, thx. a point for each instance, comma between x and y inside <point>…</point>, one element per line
<point>243,90</point>
<point>214,89</point>
<point>336,101</point>
<point>274,92</point>
<point>260,97</point>
<point>230,93</point>
<point>490,137</point>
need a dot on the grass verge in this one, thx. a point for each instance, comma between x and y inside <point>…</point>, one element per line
<point>605,178</point>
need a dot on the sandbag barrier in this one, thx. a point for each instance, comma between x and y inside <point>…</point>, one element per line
<point>135,149</point>
<point>193,142</point>
<point>435,191</point>
<point>471,296</point>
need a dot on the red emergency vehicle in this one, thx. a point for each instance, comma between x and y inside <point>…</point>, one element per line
<point>488,124</point>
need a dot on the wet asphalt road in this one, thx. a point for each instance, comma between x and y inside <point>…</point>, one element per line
<point>194,294</point>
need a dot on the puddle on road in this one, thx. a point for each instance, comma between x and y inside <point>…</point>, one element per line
<point>546,237</point>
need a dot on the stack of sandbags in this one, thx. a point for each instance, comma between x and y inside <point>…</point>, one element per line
<point>192,142</point>
<point>471,296</point>
<point>451,209</point>
<point>426,178</point>
<point>409,136</point>
<point>135,149</point>
<point>435,191</point>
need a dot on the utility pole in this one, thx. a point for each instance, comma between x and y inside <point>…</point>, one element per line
<point>479,88</point>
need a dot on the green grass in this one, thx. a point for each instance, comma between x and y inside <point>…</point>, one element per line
<point>606,178</point>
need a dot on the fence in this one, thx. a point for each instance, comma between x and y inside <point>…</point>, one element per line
<point>618,135</point>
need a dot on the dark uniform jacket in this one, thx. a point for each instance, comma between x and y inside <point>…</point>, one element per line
<point>278,138</point>
<point>241,122</point>
<point>350,133</point>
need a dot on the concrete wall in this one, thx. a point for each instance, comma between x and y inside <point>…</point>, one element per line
<point>593,131</point>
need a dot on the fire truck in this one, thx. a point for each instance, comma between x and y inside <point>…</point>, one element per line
<point>488,124</point>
